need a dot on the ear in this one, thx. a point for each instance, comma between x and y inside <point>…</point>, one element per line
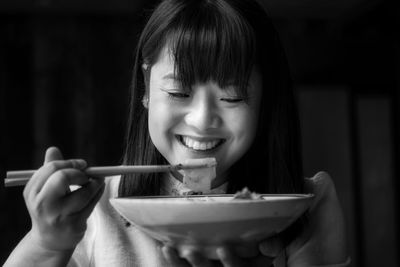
<point>145,101</point>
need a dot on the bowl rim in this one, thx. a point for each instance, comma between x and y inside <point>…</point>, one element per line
<point>273,198</point>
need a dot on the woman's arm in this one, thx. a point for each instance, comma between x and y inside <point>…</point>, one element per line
<point>29,253</point>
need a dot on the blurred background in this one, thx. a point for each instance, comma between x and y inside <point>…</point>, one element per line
<point>65,70</point>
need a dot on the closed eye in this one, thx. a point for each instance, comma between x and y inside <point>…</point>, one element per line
<point>232,99</point>
<point>177,95</point>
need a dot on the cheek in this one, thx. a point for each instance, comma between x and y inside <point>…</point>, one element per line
<point>157,130</point>
<point>158,121</point>
<point>162,120</point>
<point>244,126</point>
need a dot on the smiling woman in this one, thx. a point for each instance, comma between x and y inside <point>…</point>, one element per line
<point>75,60</point>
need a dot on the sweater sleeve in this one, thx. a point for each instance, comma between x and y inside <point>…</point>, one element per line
<point>84,250</point>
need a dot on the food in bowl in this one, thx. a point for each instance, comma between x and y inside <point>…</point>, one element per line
<point>245,193</point>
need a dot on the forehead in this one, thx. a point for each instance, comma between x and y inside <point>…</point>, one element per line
<point>164,68</point>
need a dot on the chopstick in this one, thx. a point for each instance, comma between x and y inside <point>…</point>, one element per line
<point>17,178</point>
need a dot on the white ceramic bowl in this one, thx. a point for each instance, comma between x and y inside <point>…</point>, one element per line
<point>208,221</point>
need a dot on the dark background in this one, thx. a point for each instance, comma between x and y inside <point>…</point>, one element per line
<point>65,70</point>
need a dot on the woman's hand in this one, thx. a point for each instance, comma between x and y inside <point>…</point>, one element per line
<point>323,240</point>
<point>59,215</point>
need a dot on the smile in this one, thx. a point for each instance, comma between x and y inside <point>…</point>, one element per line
<point>201,145</point>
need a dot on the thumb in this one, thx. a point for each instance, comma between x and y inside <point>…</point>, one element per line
<point>53,153</point>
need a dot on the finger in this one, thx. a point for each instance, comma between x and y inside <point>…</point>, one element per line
<point>86,211</point>
<point>42,175</point>
<point>58,184</point>
<point>195,259</point>
<point>247,250</point>
<point>172,257</point>
<point>271,247</point>
<point>322,186</point>
<point>80,198</point>
<point>229,259</point>
<point>52,153</point>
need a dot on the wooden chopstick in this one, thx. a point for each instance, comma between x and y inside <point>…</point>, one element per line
<point>16,178</point>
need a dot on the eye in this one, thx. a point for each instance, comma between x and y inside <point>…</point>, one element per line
<point>232,99</point>
<point>177,95</point>
<point>232,95</point>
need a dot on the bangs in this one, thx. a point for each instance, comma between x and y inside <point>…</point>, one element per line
<point>212,43</point>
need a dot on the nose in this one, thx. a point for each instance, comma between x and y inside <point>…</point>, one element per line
<point>203,114</point>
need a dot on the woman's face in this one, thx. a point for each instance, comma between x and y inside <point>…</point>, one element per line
<point>207,122</point>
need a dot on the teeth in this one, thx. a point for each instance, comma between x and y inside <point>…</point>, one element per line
<point>199,145</point>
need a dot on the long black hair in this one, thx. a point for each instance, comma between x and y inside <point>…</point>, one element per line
<point>220,40</point>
